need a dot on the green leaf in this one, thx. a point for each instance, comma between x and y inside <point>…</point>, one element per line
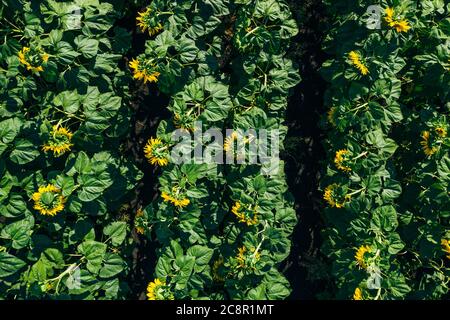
<point>94,252</point>
<point>395,244</point>
<point>18,232</point>
<point>391,190</point>
<point>258,293</point>
<point>55,257</point>
<point>65,53</point>
<point>92,186</point>
<point>87,47</point>
<point>163,267</point>
<point>202,254</point>
<point>9,129</point>
<point>113,265</point>
<point>24,152</point>
<point>16,206</point>
<point>9,264</point>
<point>385,218</point>
<point>69,100</point>
<point>116,231</point>
<point>82,164</point>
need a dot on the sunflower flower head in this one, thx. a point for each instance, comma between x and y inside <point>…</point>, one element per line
<point>341,160</point>
<point>247,259</point>
<point>184,121</point>
<point>59,141</point>
<point>428,143</point>
<point>245,214</point>
<point>355,59</point>
<point>138,221</point>
<point>400,25</point>
<point>217,270</point>
<point>229,141</point>
<point>441,131</point>
<point>156,152</point>
<point>357,295</point>
<point>176,198</point>
<point>159,290</point>
<point>48,200</point>
<point>146,20</point>
<point>335,196</point>
<point>144,69</point>
<point>446,247</point>
<point>331,114</point>
<point>360,256</point>
<point>33,59</point>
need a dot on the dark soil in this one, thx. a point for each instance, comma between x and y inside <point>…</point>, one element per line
<point>304,151</point>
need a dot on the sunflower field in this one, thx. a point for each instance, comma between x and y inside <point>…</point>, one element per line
<point>134,158</point>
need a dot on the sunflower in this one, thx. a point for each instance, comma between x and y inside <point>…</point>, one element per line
<point>441,132</point>
<point>216,270</point>
<point>426,143</point>
<point>177,200</point>
<point>331,116</point>
<point>341,158</point>
<point>248,216</point>
<point>357,295</point>
<point>33,59</point>
<point>355,58</point>
<point>158,290</point>
<point>360,256</point>
<point>156,152</point>
<point>229,141</point>
<point>59,142</point>
<point>145,21</point>
<point>333,194</point>
<point>184,121</point>
<point>48,200</point>
<point>247,258</point>
<point>138,217</point>
<point>400,25</point>
<point>446,247</point>
<point>144,70</point>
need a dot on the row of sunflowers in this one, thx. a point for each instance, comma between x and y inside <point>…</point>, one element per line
<point>63,177</point>
<point>223,228</point>
<point>386,185</point>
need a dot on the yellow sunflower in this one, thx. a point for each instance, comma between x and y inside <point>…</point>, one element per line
<point>33,59</point>
<point>177,200</point>
<point>400,25</point>
<point>247,258</point>
<point>241,256</point>
<point>248,216</point>
<point>48,200</point>
<point>59,142</point>
<point>217,276</point>
<point>332,196</point>
<point>446,247</point>
<point>355,58</point>
<point>357,295</point>
<point>331,116</point>
<point>144,70</point>
<point>229,141</point>
<point>156,152</point>
<point>145,21</point>
<point>427,147</point>
<point>441,132</point>
<point>360,256</point>
<point>139,215</point>
<point>340,158</point>
<point>158,290</point>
